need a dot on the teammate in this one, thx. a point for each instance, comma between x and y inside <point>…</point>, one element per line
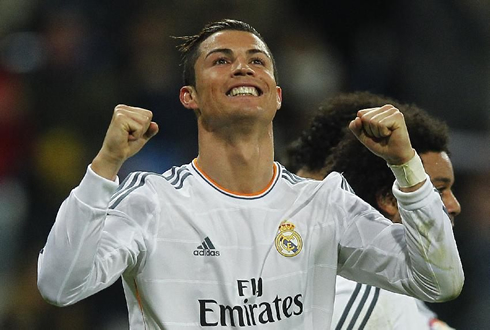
<point>360,306</point>
<point>233,239</point>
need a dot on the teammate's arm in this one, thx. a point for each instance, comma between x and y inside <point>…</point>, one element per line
<point>426,242</point>
<point>384,132</point>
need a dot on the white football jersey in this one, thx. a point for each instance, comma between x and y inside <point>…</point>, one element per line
<point>193,254</point>
<point>362,306</point>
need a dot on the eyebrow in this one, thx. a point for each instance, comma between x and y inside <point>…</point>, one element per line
<point>228,51</point>
<point>441,179</point>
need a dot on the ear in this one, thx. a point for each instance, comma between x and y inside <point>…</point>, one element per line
<point>279,97</point>
<point>188,97</point>
<point>387,204</point>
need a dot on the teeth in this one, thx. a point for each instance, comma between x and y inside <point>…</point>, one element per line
<point>244,90</point>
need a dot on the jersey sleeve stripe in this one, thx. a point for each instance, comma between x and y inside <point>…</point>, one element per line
<point>359,308</point>
<point>178,176</point>
<point>182,180</point>
<point>348,307</point>
<point>370,310</point>
<point>346,186</point>
<point>128,183</point>
<point>288,179</point>
<point>292,176</point>
<point>126,192</point>
<point>137,179</point>
<point>172,173</point>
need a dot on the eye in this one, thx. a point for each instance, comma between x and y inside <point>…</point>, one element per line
<point>258,61</point>
<point>220,60</point>
<point>443,189</point>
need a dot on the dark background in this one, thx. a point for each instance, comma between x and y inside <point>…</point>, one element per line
<point>64,65</point>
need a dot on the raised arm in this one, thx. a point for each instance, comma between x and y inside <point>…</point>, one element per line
<point>129,131</point>
<point>383,131</point>
<point>425,243</point>
<point>86,251</point>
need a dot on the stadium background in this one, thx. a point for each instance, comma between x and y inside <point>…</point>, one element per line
<point>65,64</point>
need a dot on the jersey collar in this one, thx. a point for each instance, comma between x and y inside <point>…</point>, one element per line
<point>234,194</point>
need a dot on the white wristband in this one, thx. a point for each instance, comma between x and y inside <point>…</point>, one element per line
<point>410,173</point>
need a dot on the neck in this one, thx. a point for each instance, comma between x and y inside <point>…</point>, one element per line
<point>242,163</point>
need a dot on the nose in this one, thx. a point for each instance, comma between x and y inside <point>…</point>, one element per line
<point>242,68</point>
<point>452,204</point>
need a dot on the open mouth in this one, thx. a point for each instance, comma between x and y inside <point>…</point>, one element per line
<point>244,91</point>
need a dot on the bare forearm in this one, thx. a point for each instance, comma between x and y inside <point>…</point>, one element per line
<point>106,167</point>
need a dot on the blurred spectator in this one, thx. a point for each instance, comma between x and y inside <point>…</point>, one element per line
<point>309,70</point>
<point>15,132</point>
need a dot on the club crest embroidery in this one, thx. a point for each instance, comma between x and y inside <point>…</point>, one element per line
<point>288,241</point>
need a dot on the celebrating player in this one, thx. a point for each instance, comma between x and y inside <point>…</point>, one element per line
<point>233,239</point>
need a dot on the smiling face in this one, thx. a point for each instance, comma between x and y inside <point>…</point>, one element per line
<point>234,81</point>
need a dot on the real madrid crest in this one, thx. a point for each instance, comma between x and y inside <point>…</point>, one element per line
<point>288,241</point>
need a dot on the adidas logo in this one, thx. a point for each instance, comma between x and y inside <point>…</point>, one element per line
<point>206,249</point>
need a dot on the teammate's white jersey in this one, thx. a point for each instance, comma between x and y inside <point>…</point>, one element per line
<point>192,254</point>
<point>361,306</point>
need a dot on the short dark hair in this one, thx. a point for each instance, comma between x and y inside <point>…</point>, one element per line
<point>327,145</point>
<point>189,48</point>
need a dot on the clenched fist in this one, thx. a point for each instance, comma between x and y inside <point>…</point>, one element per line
<point>383,131</point>
<point>130,129</point>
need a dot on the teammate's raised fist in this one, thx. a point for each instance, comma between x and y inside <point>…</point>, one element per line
<point>383,131</point>
<point>129,130</point>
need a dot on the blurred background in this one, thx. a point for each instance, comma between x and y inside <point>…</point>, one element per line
<point>65,64</point>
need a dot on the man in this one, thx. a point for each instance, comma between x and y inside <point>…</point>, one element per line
<point>233,239</point>
<point>325,147</point>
